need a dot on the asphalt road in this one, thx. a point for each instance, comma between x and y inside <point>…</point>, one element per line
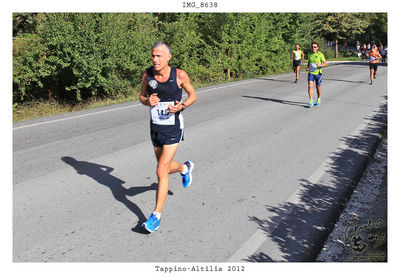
<point>269,175</point>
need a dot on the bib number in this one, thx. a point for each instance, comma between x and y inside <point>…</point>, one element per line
<point>160,114</point>
<point>313,67</point>
<point>372,58</point>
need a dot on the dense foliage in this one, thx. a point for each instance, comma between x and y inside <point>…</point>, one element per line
<point>72,57</point>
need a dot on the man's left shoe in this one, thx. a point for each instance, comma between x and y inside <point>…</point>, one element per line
<point>318,102</point>
<point>187,178</point>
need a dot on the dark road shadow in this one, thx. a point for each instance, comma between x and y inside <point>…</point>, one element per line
<point>348,81</point>
<point>300,227</point>
<point>101,174</point>
<point>276,80</point>
<point>357,63</point>
<point>282,101</point>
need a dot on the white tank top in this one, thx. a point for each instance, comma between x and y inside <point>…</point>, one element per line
<point>297,55</point>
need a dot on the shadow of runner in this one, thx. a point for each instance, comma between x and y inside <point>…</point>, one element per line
<point>300,228</point>
<point>282,101</point>
<point>101,174</point>
<point>348,81</point>
<point>276,80</point>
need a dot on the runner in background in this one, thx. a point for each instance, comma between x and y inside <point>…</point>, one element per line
<point>383,53</point>
<point>374,57</point>
<point>315,63</point>
<point>297,55</point>
<point>364,52</point>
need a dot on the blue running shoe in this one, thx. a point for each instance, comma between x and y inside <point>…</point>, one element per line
<point>318,102</point>
<point>187,178</point>
<point>311,103</point>
<point>152,224</point>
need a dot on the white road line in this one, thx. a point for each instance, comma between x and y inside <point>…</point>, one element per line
<point>67,118</point>
<point>259,237</point>
<point>120,108</point>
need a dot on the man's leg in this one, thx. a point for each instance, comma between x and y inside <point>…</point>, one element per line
<point>371,74</point>
<point>310,89</point>
<point>375,70</point>
<point>297,72</point>
<point>318,90</point>
<point>166,165</point>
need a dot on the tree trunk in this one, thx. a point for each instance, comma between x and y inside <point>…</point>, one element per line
<point>336,48</point>
<point>229,69</point>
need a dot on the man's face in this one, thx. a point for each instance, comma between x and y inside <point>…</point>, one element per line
<point>160,57</point>
<point>297,47</point>
<point>314,48</point>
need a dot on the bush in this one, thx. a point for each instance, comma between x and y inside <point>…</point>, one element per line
<point>78,56</point>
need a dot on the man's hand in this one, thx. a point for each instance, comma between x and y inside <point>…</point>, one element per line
<point>153,100</point>
<point>175,108</point>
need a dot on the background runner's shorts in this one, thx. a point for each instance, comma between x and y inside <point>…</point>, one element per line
<point>296,63</point>
<point>159,139</point>
<point>373,66</point>
<point>315,77</point>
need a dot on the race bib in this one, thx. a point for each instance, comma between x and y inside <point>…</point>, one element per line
<point>372,58</point>
<point>313,67</point>
<point>160,114</point>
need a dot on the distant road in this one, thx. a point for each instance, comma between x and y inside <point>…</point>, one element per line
<point>268,173</point>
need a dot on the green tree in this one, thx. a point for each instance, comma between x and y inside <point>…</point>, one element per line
<point>376,31</point>
<point>339,27</point>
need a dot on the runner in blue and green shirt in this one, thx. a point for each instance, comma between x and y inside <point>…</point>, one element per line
<point>315,63</point>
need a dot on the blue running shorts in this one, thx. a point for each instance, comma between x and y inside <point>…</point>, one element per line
<point>315,77</point>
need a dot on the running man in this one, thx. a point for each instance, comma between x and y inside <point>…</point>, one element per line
<point>374,57</point>
<point>363,52</point>
<point>162,92</point>
<point>314,67</point>
<point>383,53</point>
<point>297,55</point>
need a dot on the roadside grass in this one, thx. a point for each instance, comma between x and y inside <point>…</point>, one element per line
<point>353,58</point>
<point>43,108</point>
<point>38,109</point>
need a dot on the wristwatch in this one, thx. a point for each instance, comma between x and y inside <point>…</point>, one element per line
<point>183,107</point>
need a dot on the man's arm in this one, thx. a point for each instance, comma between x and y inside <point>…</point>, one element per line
<point>323,64</point>
<point>153,99</point>
<point>184,82</point>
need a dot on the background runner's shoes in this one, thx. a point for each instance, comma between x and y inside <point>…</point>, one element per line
<point>187,178</point>
<point>152,224</point>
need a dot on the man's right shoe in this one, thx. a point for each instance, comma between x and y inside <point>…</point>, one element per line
<point>310,103</point>
<point>152,224</point>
